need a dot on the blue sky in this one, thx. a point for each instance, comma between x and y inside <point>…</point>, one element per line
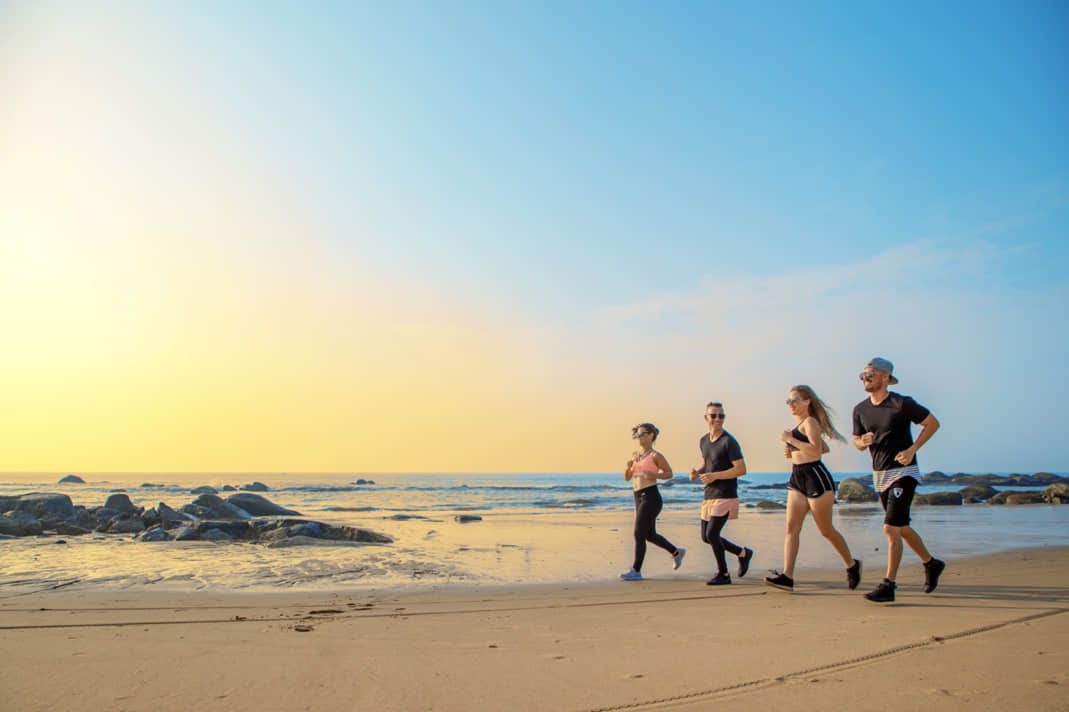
<point>679,201</point>
<point>567,144</point>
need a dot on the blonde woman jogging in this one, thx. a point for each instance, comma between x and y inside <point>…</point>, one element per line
<point>810,488</point>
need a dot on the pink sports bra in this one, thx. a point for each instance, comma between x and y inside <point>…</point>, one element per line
<point>645,466</point>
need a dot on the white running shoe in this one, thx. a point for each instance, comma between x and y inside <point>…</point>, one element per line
<point>677,560</point>
<point>631,575</point>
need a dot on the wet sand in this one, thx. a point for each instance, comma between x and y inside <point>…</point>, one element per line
<point>995,635</point>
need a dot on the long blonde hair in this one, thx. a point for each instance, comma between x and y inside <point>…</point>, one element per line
<point>820,410</point>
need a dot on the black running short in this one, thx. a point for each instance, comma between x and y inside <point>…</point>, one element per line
<point>811,479</point>
<point>896,501</point>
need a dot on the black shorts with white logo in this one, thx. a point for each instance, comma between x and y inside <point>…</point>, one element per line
<point>811,479</point>
<point>896,501</point>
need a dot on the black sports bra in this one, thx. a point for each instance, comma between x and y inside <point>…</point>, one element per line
<point>797,435</point>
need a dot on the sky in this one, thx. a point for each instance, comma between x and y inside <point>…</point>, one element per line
<point>492,237</point>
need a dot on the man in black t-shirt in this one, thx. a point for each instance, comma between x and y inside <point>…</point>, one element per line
<point>882,424</point>
<point>719,470</point>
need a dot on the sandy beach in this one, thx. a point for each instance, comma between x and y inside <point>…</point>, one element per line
<point>994,636</point>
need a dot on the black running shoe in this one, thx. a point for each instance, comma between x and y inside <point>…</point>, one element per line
<point>718,580</point>
<point>932,570</point>
<point>780,581</point>
<point>744,561</point>
<point>853,575</point>
<point>884,593</point>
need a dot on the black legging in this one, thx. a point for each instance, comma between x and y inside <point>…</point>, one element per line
<point>711,535</point>
<point>648,505</point>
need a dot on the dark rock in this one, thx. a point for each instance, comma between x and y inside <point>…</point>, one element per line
<point>978,491</point>
<point>204,489</point>
<point>279,530</point>
<point>71,529</point>
<point>767,504</point>
<point>155,534</point>
<point>961,478</point>
<point>101,516</point>
<point>18,523</point>
<point>169,517</point>
<point>939,498</point>
<point>269,531</point>
<point>121,503</point>
<point>777,486</point>
<point>404,517</point>
<point>125,524</point>
<point>183,534</point>
<point>272,531</point>
<point>210,506</point>
<point>935,478</point>
<point>1024,498</point>
<point>354,534</point>
<point>71,480</point>
<point>1057,493</point>
<point>45,506</point>
<point>463,518</point>
<point>852,490</point>
<point>999,498</point>
<point>150,517</point>
<point>312,529</point>
<point>259,506</point>
<point>255,487</point>
<point>228,488</point>
<point>1039,479</point>
<point>233,529</point>
<point>81,517</point>
<point>61,541</point>
<point>152,484</point>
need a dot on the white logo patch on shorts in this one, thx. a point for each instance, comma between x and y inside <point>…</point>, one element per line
<point>897,492</point>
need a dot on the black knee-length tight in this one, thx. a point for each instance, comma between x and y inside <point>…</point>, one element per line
<point>711,535</point>
<point>648,505</point>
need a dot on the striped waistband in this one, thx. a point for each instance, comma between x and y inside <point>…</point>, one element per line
<point>882,479</point>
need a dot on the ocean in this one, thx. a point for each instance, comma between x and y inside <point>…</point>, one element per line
<point>535,528</point>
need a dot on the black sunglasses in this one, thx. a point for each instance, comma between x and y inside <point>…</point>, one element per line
<point>715,416</point>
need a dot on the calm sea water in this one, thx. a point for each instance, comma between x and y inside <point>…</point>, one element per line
<point>312,494</point>
<point>536,528</point>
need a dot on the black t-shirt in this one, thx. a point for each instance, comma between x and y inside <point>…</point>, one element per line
<point>720,455</point>
<point>890,421</point>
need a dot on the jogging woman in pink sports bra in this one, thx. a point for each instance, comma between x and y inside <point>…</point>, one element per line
<point>645,467</point>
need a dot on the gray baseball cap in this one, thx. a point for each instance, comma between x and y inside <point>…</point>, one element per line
<point>882,364</point>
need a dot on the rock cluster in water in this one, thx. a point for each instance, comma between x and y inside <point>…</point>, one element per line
<point>1038,479</point>
<point>977,489</point>
<point>243,516</point>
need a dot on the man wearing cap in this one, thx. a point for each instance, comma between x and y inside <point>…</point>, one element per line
<point>882,424</point>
